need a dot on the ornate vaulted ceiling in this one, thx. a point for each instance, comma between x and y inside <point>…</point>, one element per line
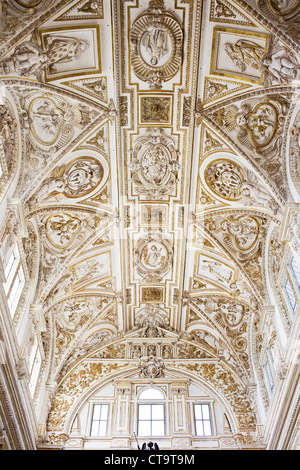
<point>151,154</point>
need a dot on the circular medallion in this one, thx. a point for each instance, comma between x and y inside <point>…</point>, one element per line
<point>82,176</point>
<point>156,47</point>
<point>61,229</point>
<point>153,256</point>
<point>28,3</point>
<point>244,231</point>
<point>225,178</point>
<point>283,7</point>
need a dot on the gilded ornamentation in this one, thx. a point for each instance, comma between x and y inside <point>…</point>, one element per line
<point>156,40</point>
<point>150,188</point>
<point>224,380</point>
<point>282,10</point>
<point>61,229</point>
<point>243,235</point>
<point>155,110</point>
<point>259,124</point>
<point>223,11</point>
<point>51,120</point>
<point>74,314</point>
<point>84,9</point>
<point>154,164</point>
<point>189,351</point>
<point>245,53</point>
<point>29,59</point>
<point>242,232</point>
<point>152,294</point>
<point>75,384</point>
<point>97,88</point>
<point>225,178</point>
<point>114,351</point>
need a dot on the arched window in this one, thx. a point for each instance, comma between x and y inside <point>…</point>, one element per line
<point>151,394</point>
<point>151,413</point>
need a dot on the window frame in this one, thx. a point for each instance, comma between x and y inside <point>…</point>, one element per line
<point>97,403</point>
<point>295,270</point>
<point>11,267</point>
<point>152,402</point>
<point>292,308</point>
<point>151,420</point>
<point>14,270</point>
<point>201,403</point>
<point>13,303</point>
<point>268,376</point>
<point>35,369</point>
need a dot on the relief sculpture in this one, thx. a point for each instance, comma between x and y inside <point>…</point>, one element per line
<point>232,182</point>
<point>61,229</point>
<point>30,59</point>
<point>285,12</point>
<point>76,179</point>
<point>281,66</point>
<point>153,256</point>
<point>50,54</point>
<point>156,45</point>
<point>258,124</point>
<point>245,54</point>
<point>154,164</point>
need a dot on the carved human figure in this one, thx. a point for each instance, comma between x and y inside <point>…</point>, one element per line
<point>282,65</point>
<point>245,53</point>
<point>281,6</point>
<point>60,49</point>
<point>151,330</point>
<point>155,41</point>
<point>153,256</point>
<point>47,119</point>
<point>136,352</point>
<point>55,185</point>
<point>220,272</point>
<point>26,59</point>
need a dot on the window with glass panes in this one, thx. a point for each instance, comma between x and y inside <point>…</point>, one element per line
<point>202,419</point>
<point>296,271</point>
<point>15,279</point>
<point>151,419</point>
<point>290,294</point>
<point>99,420</point>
